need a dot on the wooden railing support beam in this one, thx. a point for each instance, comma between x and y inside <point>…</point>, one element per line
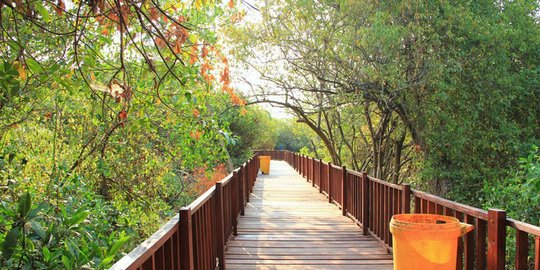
<point>537,256</point>
<point>240,201</point>
<point>321,164</point>
<point>406,199</point>
<point>329,186</point>
<point>313,180</point>
<point>186,234</point>
<point>344,191</point>
<point>241,184</point>
<point>496,239</point>
<point>220,234</point>
<point>365,203</point>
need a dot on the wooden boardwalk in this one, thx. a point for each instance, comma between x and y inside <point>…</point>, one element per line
<point>288,224</point>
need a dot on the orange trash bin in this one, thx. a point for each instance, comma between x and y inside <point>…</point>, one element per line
<point>264,164</point>
<point>425,241</point>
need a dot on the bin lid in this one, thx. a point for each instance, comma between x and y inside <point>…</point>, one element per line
<point>425,222</point>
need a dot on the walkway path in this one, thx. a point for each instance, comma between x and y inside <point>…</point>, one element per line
<point>288,224</point>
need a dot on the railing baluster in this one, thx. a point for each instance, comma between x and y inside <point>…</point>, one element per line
<point>220,238</point>
<point>522,250</point>
<point>480,229</point>
<point>365,203</point>
<point>406,203</point>
<point>469,247</point>
<point>321,169</point>
<point>176,255</point>
<point>186,246</point>
<point>537,253</point>
<point>459,259</point>
<point>240,202</point>
<point>496,239</point>
<point>344,191</point>
<point>330,182</point>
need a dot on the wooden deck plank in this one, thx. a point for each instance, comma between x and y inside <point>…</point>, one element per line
<point>288,224</point>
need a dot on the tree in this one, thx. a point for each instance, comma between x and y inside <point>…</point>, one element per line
<point>450,86</point>
<point>106,122</point>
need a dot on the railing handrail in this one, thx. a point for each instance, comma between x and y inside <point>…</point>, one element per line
<point>144,251</point>
<point>466,209</point>
<point>201,200</point>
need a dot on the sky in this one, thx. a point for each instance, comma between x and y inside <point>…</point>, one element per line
<point>254,16</point>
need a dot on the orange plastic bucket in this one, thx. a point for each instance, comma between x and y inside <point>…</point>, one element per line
<point>264,164</point>
<point>425,241</point>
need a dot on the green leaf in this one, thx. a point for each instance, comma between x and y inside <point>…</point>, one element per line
<point>118,244</point>
<point>5,210</point>
<point>33,65</point>
<point>46,254</point>
<point>38,230</point>
<point>67,262</point>
<point>188,96</point>
<point>77,218</point>
<point>10,243</point>
<point>25,202</point>
<point>106,261</point>
<point>44,13</point>
<point>83,258</point>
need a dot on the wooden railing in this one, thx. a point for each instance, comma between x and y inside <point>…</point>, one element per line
<point>196,237</point>
<point>371,203</point>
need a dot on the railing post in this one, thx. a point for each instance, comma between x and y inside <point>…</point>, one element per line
<point>240,202</point>
<point>302,168</point>
<point>329,187</point>
<point>313,181</point>
<point>496,239</point>
<point>306,167</point>
<point>310,169</point>
<point>537,248</point>
<point>219,225</point>
<point>522,250</point>
<point>344,192</point>
<point>308,175</point>
<point>321,164</point>
<point>365,203</point>
<point>245,181</point>
<point>303,163</point>
<point>241,183</point>
<point>406,199</point>
<point>186,235</point>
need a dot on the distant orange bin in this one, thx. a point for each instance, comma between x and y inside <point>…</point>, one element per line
<point>425,241</point>
<point>264,164</point>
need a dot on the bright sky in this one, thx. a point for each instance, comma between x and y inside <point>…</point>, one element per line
<point>254,16</point>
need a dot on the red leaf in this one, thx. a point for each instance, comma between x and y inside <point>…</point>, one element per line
<point>122,115</point>
<point>59,7</point>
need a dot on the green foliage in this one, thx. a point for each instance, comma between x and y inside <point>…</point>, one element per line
<point>481,105</point>
<point>519,196</point>
<point>253,129</point>
<point>294,136</point>
<point>49,235</point>
<point>106,115</point>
